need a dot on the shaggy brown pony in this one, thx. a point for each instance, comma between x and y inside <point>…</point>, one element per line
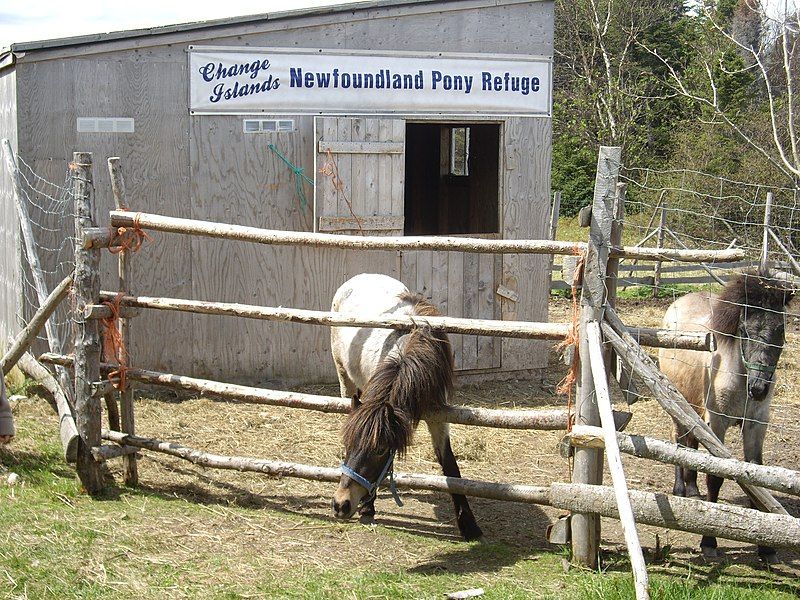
<point>734,384</point>
<point>395,378</point>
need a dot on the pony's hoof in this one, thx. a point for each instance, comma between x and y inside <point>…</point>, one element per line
<point>367,519</point>
<point>709,553</point>
<point>482,540</point>
<point>769,558</point>
<point>5,439</point>
<point>472,535</point>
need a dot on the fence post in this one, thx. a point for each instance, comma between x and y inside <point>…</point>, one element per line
<point>662,230</point>
<point>555,211</point>
<point>87,335</point>
<point>618,370</point>
<point>588,463</point>
<point>129,464</point>
<point>763,265</point>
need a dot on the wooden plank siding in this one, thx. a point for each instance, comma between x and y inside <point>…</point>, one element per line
<point>205,167</point>
<point>10,249</point>
<point>513,27</point>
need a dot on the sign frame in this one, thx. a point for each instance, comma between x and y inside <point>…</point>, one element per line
<point>546,61</point>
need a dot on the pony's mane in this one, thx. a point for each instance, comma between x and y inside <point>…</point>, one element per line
<point>415,379</point>
<point>750,289</point>
<point>421,305</point>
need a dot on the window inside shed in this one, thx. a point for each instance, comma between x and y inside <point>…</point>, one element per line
<point>452,179</point>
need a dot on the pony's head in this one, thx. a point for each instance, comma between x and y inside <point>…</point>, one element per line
<point>375,432</point>
<point>416,377</point>
<point>751,310</point>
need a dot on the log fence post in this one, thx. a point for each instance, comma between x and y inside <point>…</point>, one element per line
<point>588,462</point>
<point>662,230</point>
<point>614,368</point>
<point>129,461</point>
<point>86,290</point>
<point>763,265</point>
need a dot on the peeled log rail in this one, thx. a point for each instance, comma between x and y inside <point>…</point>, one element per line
<point>25,337</point>
<point>109,451</point>
<point>451,485</point>
<point>685,514</point>
<point>284,238</point>
<point>669,338</point>
<point>626,518</point>
<point>546,420</point>
<point>519,329</point>
<point>660,338</point>
<point>66,420</point>
<point>773,478</point>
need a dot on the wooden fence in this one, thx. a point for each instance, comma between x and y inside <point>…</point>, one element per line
<point>677,274</point>
<point>599,325</point>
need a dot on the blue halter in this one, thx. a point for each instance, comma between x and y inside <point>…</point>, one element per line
<point>372,488</point>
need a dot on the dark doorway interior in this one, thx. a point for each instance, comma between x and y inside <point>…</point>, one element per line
<point>452,178</point>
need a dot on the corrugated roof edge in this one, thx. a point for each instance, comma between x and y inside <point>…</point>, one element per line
<point>197,25</point>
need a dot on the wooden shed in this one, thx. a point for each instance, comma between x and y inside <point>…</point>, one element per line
<point>432,159</point>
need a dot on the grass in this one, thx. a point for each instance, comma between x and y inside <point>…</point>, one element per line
<point>171,539</point>
<point>670,291</point>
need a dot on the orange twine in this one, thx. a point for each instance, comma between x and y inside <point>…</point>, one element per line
<point>114,349</point>
<point>567,385</point>
<point>122,243</point>
<point>331,170</point>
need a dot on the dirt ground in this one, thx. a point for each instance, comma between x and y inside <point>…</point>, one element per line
<point>295,536</point>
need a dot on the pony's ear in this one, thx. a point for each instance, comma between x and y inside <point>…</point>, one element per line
<point>356,401</point>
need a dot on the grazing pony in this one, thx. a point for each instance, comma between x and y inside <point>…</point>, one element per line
<point>394,378</point>
<point>735,383</point>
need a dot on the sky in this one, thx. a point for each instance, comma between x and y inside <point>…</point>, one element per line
<point>36,20</point>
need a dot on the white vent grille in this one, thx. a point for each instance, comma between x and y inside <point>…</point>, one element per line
<point>105,125</point>
<point>268,125</point>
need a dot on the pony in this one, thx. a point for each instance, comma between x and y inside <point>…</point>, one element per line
<point>734,384</point>
<point>394,379</point>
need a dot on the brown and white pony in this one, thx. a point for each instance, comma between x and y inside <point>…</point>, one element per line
<point>394,379</point>
<point>734,384</point>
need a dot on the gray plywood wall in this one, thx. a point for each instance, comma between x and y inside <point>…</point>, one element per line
<point>205,168</point>
<point>9,228</point>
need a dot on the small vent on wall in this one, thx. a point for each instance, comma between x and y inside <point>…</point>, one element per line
<point>105,125</point>
<point>268,125</point>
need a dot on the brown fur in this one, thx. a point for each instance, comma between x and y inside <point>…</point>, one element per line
<point>416,379</point>
<point>747,289</point>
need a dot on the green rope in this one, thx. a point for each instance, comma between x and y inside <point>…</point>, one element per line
<point>299,177</point>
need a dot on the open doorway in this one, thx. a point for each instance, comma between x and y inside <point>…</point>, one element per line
<point>452,178</point>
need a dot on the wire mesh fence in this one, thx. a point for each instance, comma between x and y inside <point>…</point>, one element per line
<point>49,207</point>
<point>701,210</point>
<point>692,209</point>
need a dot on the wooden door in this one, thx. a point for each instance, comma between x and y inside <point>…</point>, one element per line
<point>461,285</point>
<point>360,175</point>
